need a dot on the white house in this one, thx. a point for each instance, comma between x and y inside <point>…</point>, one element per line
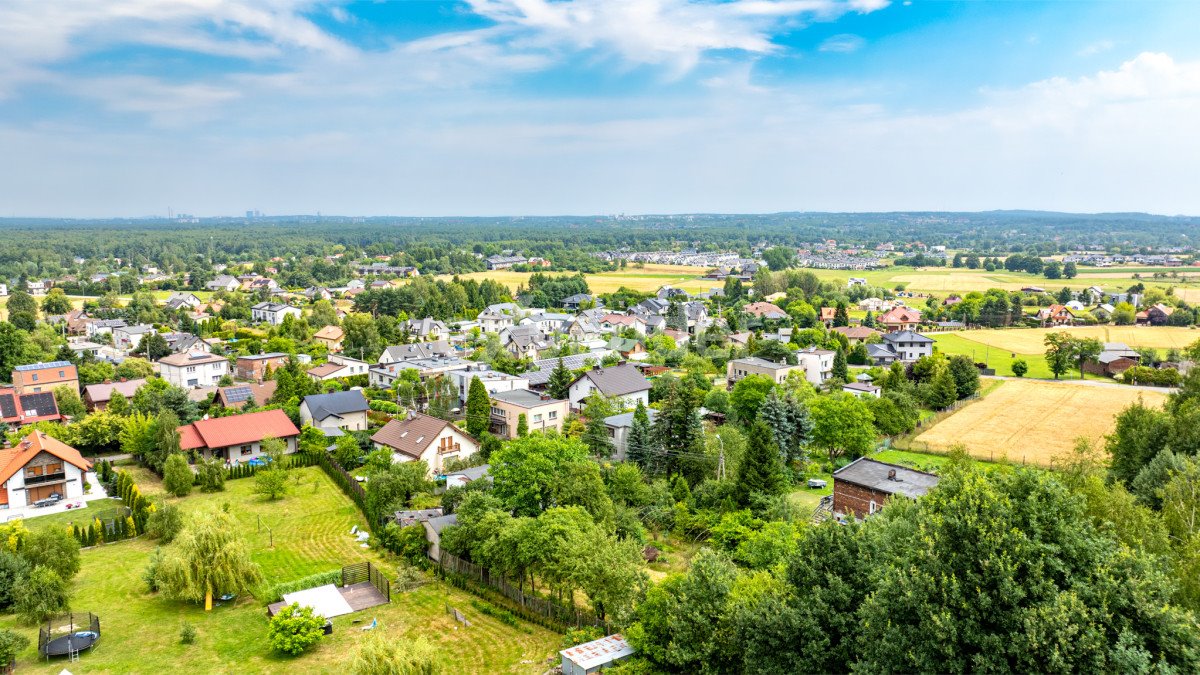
<point>272,312</point>
<point>40,467</point>
<point>223,282</point>
<point>193,369</point>
<point>238,438</point>
<point>622,384</point>
<point>338,366</point>
<point>908,345</point>
<point>129,338</point>
<point>817,364</point>
<point>421,437</point>
<point>345,410</point>
<point>494,381</point>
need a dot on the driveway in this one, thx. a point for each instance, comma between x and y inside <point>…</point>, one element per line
<point>76,503</point>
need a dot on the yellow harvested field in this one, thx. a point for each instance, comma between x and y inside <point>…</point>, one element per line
<point>1032,340</point>
<point>607,282</point>
<point>1033,421</point>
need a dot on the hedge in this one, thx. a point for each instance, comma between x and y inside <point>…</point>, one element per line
<point>276,592</point>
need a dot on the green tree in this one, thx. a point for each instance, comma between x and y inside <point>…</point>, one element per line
<point>271,481</point>
<point>177,475</point>
<point>68,401</point>
<point>118,404</point>
<point>22,310</point>
<point>595,434</point>
<point>965,374</point>
<point>40,595</point>
<point>1060,352</point>
<point>212,474</point>
<point>53,549</point>
<point>294,629</point>
<point>1020,367</point>
<point>207,558</point>
<point>1124,314</point>
<point>11,644</point>
<point>748,395</point>
<point>943,390</point>
<point>382,654</point>
<point>478,408</point>
<point>154,346</point>
<point>165,523</point>
<point>1086,349</point>
<point>522,425</point>
<point>559,385</point>
<point>761,470</point>
<point>780,257</point>
<point>841,315</point>
<point>640,445</point>
<point>526,470</point>
<point>362,340</point>
<point>322,313</point>
<point>56,303</point>
<point>391,490</point>
<point>166,440</point>
<point>841,424</point>
<point>1140,433</point>
<point>14,348</point>
<point>840,370</point>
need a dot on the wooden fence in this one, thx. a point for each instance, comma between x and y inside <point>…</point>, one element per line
<point>357,573</point>
<point>530,606</point>
<point>353,489</point>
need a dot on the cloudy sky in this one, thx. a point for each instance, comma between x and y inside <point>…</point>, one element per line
<point>501,107</point>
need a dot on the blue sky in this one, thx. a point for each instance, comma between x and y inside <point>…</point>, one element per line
<point>504,107</point>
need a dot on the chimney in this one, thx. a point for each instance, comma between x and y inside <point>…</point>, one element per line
<point>596,366</point>
<point>123,379</point>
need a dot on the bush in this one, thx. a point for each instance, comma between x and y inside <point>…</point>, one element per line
<point>150,574</point>
<point>177,475</point>
<point>502,615</point>
<point>165,522</point>
<point>407,542</point>
<point>1145,375</point>
<point>311,581</point>
<point>54,550</point>
<point>11,644</point>
<point>294,629</point>
<point>42,595</point>
<point>1019,367</point>
<point>271,482</point>
<point>379,653</point>
<point>187,634</point>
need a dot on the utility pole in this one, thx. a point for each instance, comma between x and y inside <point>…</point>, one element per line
<point>721,459</point>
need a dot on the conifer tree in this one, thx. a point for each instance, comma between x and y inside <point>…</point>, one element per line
<point>559,386</point>
<point>478,408</point>
<point>760,471</point>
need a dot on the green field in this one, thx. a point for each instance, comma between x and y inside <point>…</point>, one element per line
<point>954,344</point>
<point>311,533</point>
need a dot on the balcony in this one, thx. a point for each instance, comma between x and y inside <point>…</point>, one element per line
<point>45,478</point>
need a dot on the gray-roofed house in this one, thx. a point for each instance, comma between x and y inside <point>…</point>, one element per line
<point>622,384</point>
<point>539,374</point>
<point>863,486</point>
<point>433,533</point>
<point>468,475</point>
<point>575,302</point>
<point>272,313</point>
<point>416,350</point>
<point>908,345</point>
<point>345,410</point>
<point>542,413</point>
<point>618,431</point>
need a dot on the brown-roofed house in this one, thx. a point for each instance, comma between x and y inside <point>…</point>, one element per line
<point>331,337</point>
<point>855,334</point>
<point>97,396</point>
<point>238,437</point>
<point>235,397</point>
<point>764,310</point>
<point>427,438</point>
<point>40,467</point>
<point>21,409</point>
<point>900,318</point>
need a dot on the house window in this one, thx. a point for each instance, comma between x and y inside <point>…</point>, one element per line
<point>537,418</point>
<point>62,373</point>
<point>874,507</point>
<point>35,377</point>
<point>190,369</point>
<point>498,412</point>
<point>248,449</point>
<point>553,415</point>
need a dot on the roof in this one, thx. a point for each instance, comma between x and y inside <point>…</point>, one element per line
<point>27,408</point>
<point>901,315</point>
<point>524,398</point>
<point>412,435</point>
<point>617,380</point>
<point>764,310</point>
<point>236,396</point>
<point>418,350</point>
<point>597,653</point>
<point>236,430</point>
<point>473,473</point>
<point>336,403</point>
<point>442,522</point>
<point>865,387</point>
<point>855,332</point>
<point>572,362</point>
<point>762,363</point>
<point>101,393</point>
<point>262,357</point>
<point>329,333</point>
<point>907,336</point>
<point>37,442</point>
<point>325,370</point>
<point>43,366</point>
<point>190,358</point>
<point>626,419</point>
<point>875,475</point>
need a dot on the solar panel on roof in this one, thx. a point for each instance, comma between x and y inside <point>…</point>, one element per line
<point>39,366</point>
<point>8,406</point>
<point>237,394</point>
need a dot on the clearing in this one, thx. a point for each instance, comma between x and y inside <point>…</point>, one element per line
<point>1031,340</point>
<point>1028,421</point>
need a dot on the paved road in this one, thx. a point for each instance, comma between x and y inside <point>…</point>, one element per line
<point>1086,383</point>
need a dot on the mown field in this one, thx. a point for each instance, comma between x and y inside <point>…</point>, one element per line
<point>1032,422</point>
<point>944,280</point>
<point>648,279</point>
<point>311,533</point>
<point>1032,340</point>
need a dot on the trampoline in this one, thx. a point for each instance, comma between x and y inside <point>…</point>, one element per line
<point>69,634</point>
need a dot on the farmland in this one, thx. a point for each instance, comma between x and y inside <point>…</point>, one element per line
<point>943,280</point>
<point>1027,421</point>
<point>1032,340</point>
<point>647,279</point>
<point>305,533</point>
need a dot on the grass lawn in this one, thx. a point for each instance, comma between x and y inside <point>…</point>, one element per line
<point>954,344</point>
<point>676,556</point>
<point>1032,340</point>
<point>81,516</point>
<point>808,499</point>
<point>311,534</point>
<point>1032,421</point>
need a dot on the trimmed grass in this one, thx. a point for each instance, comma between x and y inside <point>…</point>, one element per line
<point>81,516</point>
<point>311,534</point>
<point>955,344</point>
<point>1033,421</point>
<point>1031,340</point>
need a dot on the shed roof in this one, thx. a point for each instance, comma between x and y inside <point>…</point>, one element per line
<point>598,652</point>
<point>875,475</point>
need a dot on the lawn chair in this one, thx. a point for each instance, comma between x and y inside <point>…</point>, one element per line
<point>371,626</point>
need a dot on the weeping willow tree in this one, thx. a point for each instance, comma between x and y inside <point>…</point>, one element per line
<point>379,653</point>
<point>207,558</point>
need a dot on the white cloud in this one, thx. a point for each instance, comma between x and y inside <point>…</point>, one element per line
<point>843,44</point>
<point>1098,47</point>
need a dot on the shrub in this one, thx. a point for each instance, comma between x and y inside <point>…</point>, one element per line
<point>502,615</point>
<point>42,595</point>
<point>271,482</point>
<point>11,644</point>
<point>53,549</point>
<point>177,475</point>
<point>150,574</point>
<point>276,593</point>
<point>1019,367</point>
<point>187,634</point>
<point>294,629</point>
<point>379,653</point>
<point>165,522</point>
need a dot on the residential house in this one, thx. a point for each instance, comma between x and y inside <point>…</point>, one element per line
<point>238,438</point>
<point>315,293</point>
<point>41,467</point>
<point>618,322</point>
<point>765,311</point>
<point>383,376</point>
<point>863,486</point>
<point>129,338</point>
<point>738,369</point>
<point>503,262</point>
<point>539,374</point>
<point>426,329</point>
<point>337,367</point>
<point>541,412</point>
<point>548,322</point>
<point>38,288</point>
<point>629,348</point>
<point>875,305</point>
<point>907,345</point>
<point>817,364</point>
<point>494,381</point>
<point>235,397</point>
<point>583,329</point>
<point>1134,299</point>
<point>193,369</point>
<point>86,349</point>
<point>618,431</point>
<point>622,384</point>
<point>183,299</point>
<point>856,334</point>
<point>579,301</point>
<point>1055,315</point>
<point>827,316</point>
<point>21,409</point>
<point>104,326</point>
<point>272,313</point>
<point>595,656</point>
<point>255,367</point>
<point>345,410</point>
<point>331,337</point>
<point>416,350</point>
<point>433,534</point>
<point>860,389</point>
<point>420,437</point>
<point>741,339</point>
<point>1159,314</point>
<point>469,475</point>
<point>33,378</point>
<point>900,319</point>
<point>223,282</point>
<point>524,342</point>
<point>97,396</point>
<point>1103,313</point>
<point>494,322</point>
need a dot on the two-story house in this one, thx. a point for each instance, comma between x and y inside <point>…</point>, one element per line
<point>739,369</point>
<point>622,384</point>
<point>345,410</point>
<point>254,367</point>
<point>541,412</point>
<point>193,369</point>
<point>40,467</point>
<point>272,312</point>
<point>420,437</point>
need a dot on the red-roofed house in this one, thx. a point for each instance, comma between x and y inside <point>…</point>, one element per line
<point>765,310</point>
<point>900,319</point>
<point>1055,315</point>
<point>40,467</point>
<point>238,437</point>
<point>20,409</point>
<point>828,316</point>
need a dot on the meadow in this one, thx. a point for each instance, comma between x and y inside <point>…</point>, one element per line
<point>305,533</point>
<point>1032,422</point>
<point>647,279</point>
